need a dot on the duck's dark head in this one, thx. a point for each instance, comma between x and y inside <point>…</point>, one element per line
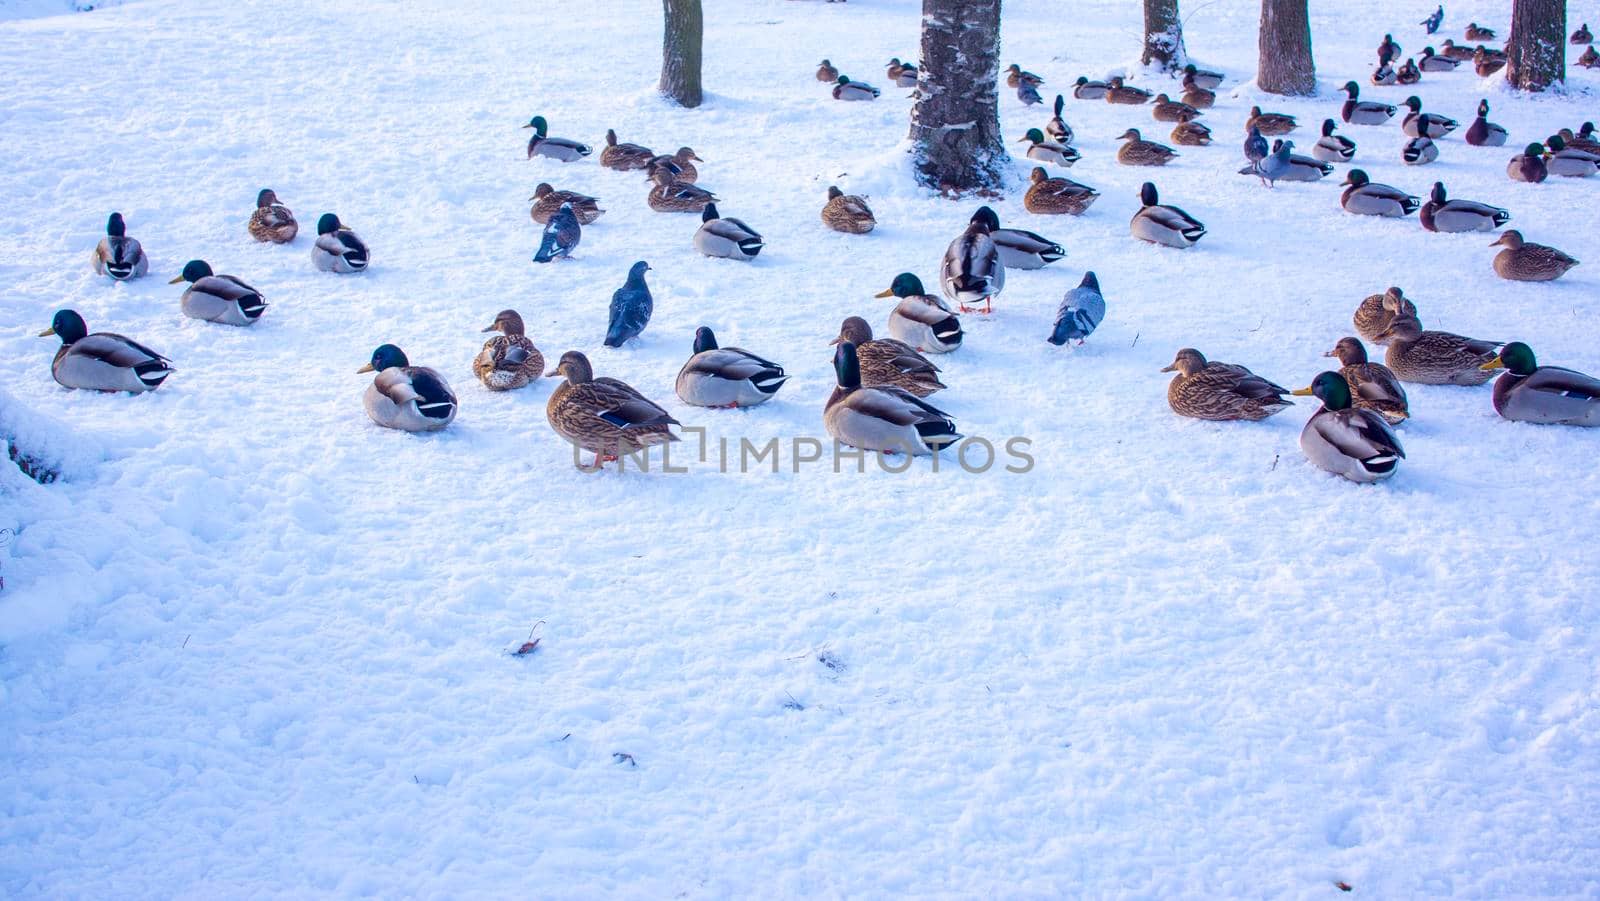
<point>1349,352</point>
<point>709,213</point>
<point>507,322</point>
<point>1327,128</point>
<point>1413,103</point>
<point>538,125</point>
<point>1437,195</point>
<point>1534,150</point>
<point>1515,357</point>
<point>983,220</point>
<point>1082,80</point>
<point>847,366</point>
<point>704,339</point>
<point>1356,178</point>
<point>904,285</point>
<point>387,356</point>
<point>1556,143</point>
<point>1034,136</point>
<point>1353,89</point>
<point>1148,195</point>
<point>193,271</point>
<point>67,325</point>
<point>1330,388</point>
<point>1483,108</point>
<point>574,367</point>
<point>844,79</point>
<point>115,227</point>
<point>1187,361</point>
<point>328,224</point>
<point>854,330</point>
<point>266,198</point>
<point>834,192</point>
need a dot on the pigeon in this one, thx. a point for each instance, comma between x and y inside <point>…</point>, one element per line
<point>561,235</point>
<point>1273,166</point>
<point>1028,94</point>
<point>1080,312</point>
<point>631,307</point>
<point>1255,146</point>
<point>1433,22</point>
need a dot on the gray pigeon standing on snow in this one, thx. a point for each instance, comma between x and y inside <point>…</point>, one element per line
<point>1028,94</point>
<point>631,307</point>
<point>1081,311</point>
<point>1255,146</point>
<point>561,235</point>
<point>1273,166</point>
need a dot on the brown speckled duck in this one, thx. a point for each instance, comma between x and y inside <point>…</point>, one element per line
<point>1435,358</point>
<point>1375,313</point>
<point>603,415</point>
<point>885,361</point>
<point>1270,124</point>
<point>508,360</point>
<point>1057,195</point>
<point>1373,386</point>
<point>1191,134</point>
<point>272,222</point>
<point>546,200</point>
<point>1524,261</point>
<point>672,196</point>
<point>680,165</point>
<point>1117,92</point>
<point>1139,152</point>
<point>1168,110</point>
<point>847,213</point>
<point>624,157</point>
<point>1221,391</point>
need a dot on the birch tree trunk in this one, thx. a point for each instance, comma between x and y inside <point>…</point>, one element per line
<point>1536,50</point>
<point>1285,65</point>
<point>680,51</point>
<point>1163,35</point>
<point>955,124</point>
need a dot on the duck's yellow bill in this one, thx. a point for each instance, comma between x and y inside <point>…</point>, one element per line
<point>1301,392</point>
<point>176,280</point>
<point>887,292</point>
<point>1493,364</point>
<point>366,368</point>
<point>47,333</point>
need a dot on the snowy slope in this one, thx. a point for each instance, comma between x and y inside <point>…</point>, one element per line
<point>255,645</point>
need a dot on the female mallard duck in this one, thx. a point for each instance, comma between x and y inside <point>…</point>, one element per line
<point>338,249</point>
<point>1375,385</point>
<point>1440,214</point>
<point>1452,50</point>
<point>672,196</point>
<point>1084,89</point>
<point>218,298</point>
<point>1419,151</point>
<point>1408,73</point>
<point>1079,312</point>
<point>602,415</point>
<point>1047,151</point>
<point>555,148</point>
<point>827,73</point>
<point>1205,78</point>
<point>1432,62</point>
<point>1524,261</point>
<point>1528,166</point>
<point>1582,36</point>
<point>1589,59</point>
<point>405,397</point>
<point>1221,391</point>
<point>845,89</point>
<point>272,222</point>
<point>1350,441</point>
<point>1369,198</point>
<point>1332,148</point>
<point>730,239</point>
<point>886,362</point>
<point>680,164</point>
<point>1016,77</point>
<point>1168,110</point>
<point>1485,63</point>
<point>1476,32</point>
<point>118,255</point>
<point>1568,162</point>
<point>1435,358</point>
<point>1482,132</point>
<point>1584,140</point>
<point>1270,124</point>
<point>902,75</point>
<point>1117,92</point>
<point>847,213</point>
<point>546,200</point>
<point>1363,112</point>
<point>102,361</point>
<point>1374,315</point>
<point>1426,125</point>
<point>1195,95</point>
<point>1548,395</point>
<point>726,377</point>
<point>882,418</point>
<point>971,272</point>
<point>1139,152</point>
<point>508,360</point>
<point>920,319</point>
<point>1191,134</point>
<point>1021,249</point>
<point>1057,195</point>
<point>1166,225</point>
<point>624,157</point>
<point>1057,128</point>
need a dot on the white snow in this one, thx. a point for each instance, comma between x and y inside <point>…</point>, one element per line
<point>252,644</point>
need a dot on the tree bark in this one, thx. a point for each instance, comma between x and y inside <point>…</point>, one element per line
<point>1536,50</point>
<point>680,51</point>
<point>1285,65</point>
<point>955,124</point>
<point>1163,35</point>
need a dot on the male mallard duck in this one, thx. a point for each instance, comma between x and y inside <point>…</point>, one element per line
<point>1524,261</point>
<point>546,200</point>
<point>1485,63</point>
<point>1584,140</point>
<point>1348,441</point>
<point>971,272</point>
<point>1374,315</point>
<point>845,89</point>
<point>1455,51</point>
<point>1375,385</point>
<point>1363,112</point>
<point>603,415</point>
<point>561,236</point>
<point>1332,148</point>
<point>1084,89</point>
<point>1056,195</point>
<point>1195,95</point>
<point>847,213</point>
<point>1048,151</point>
<point>1443,215</point>
<point>1433,21</point>
<point>102,361</point>
<point>1529,165</point>
<point>1021,249</point>
<point>1221,391</point>
<point>1369,198</point>
<point>1429,125</point>
<point>1164,224</point>
<point>672,196</point>
<point>1384,75</point>
<point>1168,110</point>
<point>1270,124</point>
<point>727,238</point>
<point>1016,77</point>
<point>508,360</point>
<point>1139,152</point>
<point>1203,77</point>
<point>1432,62</point>
<point>555,148</point>
<point>1029,95</point>
<point>1408,73</point>
<point>1583,35</point>
<point>920,319</point>
<point>118,255</point>
<point>1476,32</point>
<point>883,418</point>
<point>726,377</point>
<point>1117,92</point>
<point>405,397</point>
<point>1589,59</point>
<point>1419,151</point>
<point>1079,313</point>
<point>1435,358</point>
<point>1389,48</point>
<point>631,307</point>
<point>338,249</point>
<point>1057,128</point>
<point>886,362</point>
<point>624,157</point>
<point>1568,162</point>
<point>1191,134</point>
<point>218,298</point>
<point>1482,132</point>
<point>1548,395</point>
<point>826,73</point>
<point>271,220</point>
<point>680,165</point>
<point>902,75</point>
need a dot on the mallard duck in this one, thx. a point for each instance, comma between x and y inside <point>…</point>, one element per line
<point>1363,112</point>
<point>1408,73</point>
<point>1549,395</point>
<point>1197,96</point>
<point>118,255</point>
<point>561,236</point>
<point>1524,261</point>
<point>1164,224</point>
<point>1440,214</point>
<point>1047,151</point>
<point>271,221</point>
<point>680,165</point>
<point>102,361</point>
<point>1567,162</point>
<point>624,157</point>
<point>1139,152</point>
<point>902,75</point>
<point>730,239</point>
<point>218,298</point>
<point>1303,168</point>
<point>1485,63</point>
<point>1332,148</point>
<point>1015,77</point>
<point>1384,74</point>
<point>1476,32</point>
<point>826,73</point>
<point>1433,22</point>
<point>1435,358</point>
<point>508,360</point>
<point>1057,128</point>
<point>1455,51</point>
<point>1584,140</point>
<point>1029,95</point>
<point>1419,151</point>
<point>1270,124</point>
<point>1589,59</point>
<point>555,148</point>
<point>883,418</point>
<point>631,307</point>
<point>847,213</point>
<point>337,248</point>
<point>1168,110</point>
<point>845,89</point>
<point>1369,198</point>
<point>1021,249</point>
<point>1079,313</point>
<point>972,272</point>
<point>1191,134</point>
<point>886,362</point>
<point>1428,125</point>
<point>920,319</point>
<point>1353,442</point>
<point>726,377</point>
<point>405,397</point>
<point>1389,48</point>
<point>1221,391</point>
<point>1432,62</point>
<point>1056,195</point>
<point>1374,315</point>
<point>1084,89</point>
<point>1205,78</point>
<point>1375,385</point>
<point>602,415</point>
<point>671,196</point>
<point>1482,132</point>
<point>1529,165</point>
<point>1117,92</point>
<point>546,200</point>
<point>1583,35</point>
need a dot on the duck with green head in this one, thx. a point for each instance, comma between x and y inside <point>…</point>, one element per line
<point>1528,166</point>
<point>1551,395</point>
<point>218,298</point>
<point>845,89</point>
<point>920,319</point>
<point>405,397</point>
<point>117,255</point>
<point>102,361</point>
<point>555,148</point>
<point>1348,441</point>
<point>337,248</point>
<point>882,418</point>
<point>1047,151</point>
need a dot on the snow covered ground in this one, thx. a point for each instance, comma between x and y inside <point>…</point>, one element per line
<point>252,644</point>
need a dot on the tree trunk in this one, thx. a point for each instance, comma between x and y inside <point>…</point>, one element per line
<point>1536,50</point>
<point>1163,35</point>
<point>680,51</point>
<point>1285,66</point>
<point>955,124</point>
